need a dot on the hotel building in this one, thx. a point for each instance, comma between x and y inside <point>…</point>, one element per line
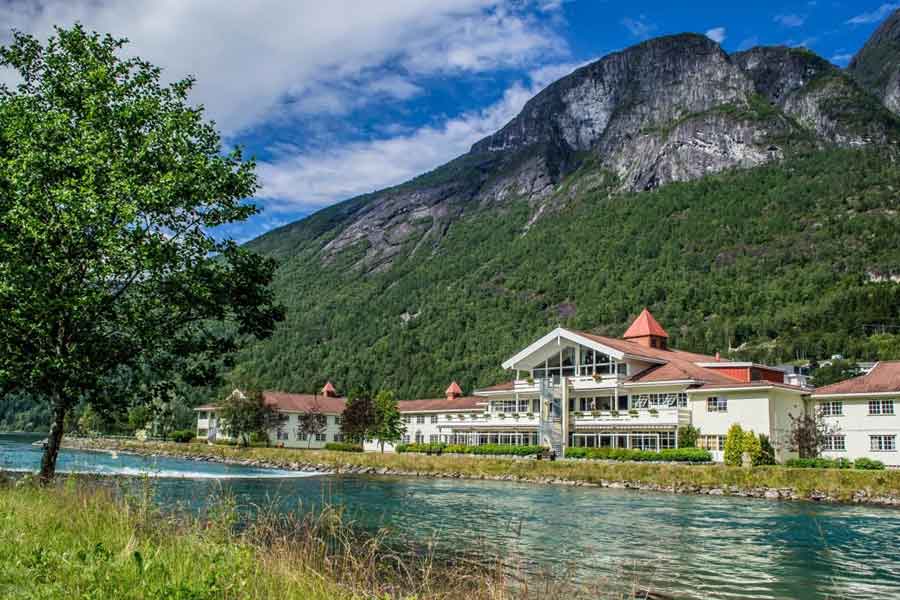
<point>574,388</point>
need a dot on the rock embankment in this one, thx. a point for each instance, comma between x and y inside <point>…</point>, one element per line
<point>335,465</point>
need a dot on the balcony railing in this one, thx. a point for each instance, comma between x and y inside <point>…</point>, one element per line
<point>578,382</point>
<point>505,420</point>
<point>635,416</point>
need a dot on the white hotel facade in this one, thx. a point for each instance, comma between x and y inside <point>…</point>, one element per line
<point>573,388</point>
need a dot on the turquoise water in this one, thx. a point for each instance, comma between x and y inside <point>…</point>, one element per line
<point>688,546</point>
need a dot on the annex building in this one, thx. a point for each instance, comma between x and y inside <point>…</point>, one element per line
<point>574,388</point>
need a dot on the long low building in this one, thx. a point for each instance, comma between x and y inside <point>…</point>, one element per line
<point>574,388</point>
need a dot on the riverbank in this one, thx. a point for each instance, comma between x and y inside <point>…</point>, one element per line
<point>84,538</point>
<point>771,482</point>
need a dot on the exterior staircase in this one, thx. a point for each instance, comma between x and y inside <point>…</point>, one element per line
<point>550,425</point>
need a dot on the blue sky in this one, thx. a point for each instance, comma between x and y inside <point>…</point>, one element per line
<point>345,97</point>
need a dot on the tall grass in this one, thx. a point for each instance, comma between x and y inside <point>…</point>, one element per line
<point>88,539</point>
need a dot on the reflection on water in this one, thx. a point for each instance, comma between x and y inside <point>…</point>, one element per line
<point>690,546</point>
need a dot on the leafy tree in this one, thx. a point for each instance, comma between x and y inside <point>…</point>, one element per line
<point>767,451</point>
<point>687,436</point>
<point>109,184</point>
<point>245,414</point>
<point>311,422</point>
<point>358,418</point>
<point>808,431</point>
<point>389,426</point>
<point>837,370</point>
<point>139,417</point>
<point>734,445</point>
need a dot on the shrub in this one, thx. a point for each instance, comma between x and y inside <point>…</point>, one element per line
<point>819,463</point>
<point>734,445</point>
<point>752,446</point>
<point>486,449</point>
<point>625,454</point>
<point>687,436</point>
<point>343,447</point>
<point>868,464</point>
<point>767,451</point>
<point>182,436</point>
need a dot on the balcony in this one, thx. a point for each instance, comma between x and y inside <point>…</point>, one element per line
<point>576,382</point>
<point>489,421</point>
<point>635,417</point>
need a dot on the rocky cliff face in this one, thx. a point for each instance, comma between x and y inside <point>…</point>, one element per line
<point>670,109</point>
<point>877,65</point>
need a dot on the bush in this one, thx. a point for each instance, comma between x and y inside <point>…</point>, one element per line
<point>486,449</point>
<point>343,447</point>
<point>767,451</point>
<point>625,454</point>
<point>752,446</point>
<point>819,463</point>
<point>182,436</point>
<point>687,436</point>
<point>734,445</point>
<point>868,464</point>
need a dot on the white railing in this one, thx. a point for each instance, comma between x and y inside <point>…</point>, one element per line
<point>577,382</point>
<point>510,420</point>
<point>635,416</point>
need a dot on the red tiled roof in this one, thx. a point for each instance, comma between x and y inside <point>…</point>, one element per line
<point>453,390</point>
<point>645,325</point>
<point>459,403</point>
<point>884,377</point>
<point>500,387</point>
<point>305,402</point>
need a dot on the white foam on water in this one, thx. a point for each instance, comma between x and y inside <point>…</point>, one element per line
<point>175,474</point>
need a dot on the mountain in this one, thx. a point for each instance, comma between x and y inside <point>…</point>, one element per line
<point>877,65</point>
<point>750,200</point>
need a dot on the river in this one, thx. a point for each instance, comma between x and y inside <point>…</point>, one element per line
<point>688,546</point>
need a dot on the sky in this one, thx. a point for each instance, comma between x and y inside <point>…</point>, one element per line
<point>344,97</point>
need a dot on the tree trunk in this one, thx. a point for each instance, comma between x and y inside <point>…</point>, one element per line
<point>51,450</point>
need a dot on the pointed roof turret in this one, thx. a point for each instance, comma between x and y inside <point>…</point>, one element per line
<point>328,390</point>
<point>453,390</point>
<point>647,331</point>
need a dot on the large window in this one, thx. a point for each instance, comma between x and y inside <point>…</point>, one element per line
<point>715,443</point>
<point>881,407</point>
<point>834,443</point>
<point>883,443</point>
<point>834,408</point>
<point>434,418</point>
<point>420,419</point>
<point>646,441</point>
<point>572,361</point>
<point>510,406</point>
<point>716,404</point>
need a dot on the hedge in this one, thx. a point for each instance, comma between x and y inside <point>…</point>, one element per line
<point>343,447</point>
<point>182,436</point>
<point>835,463</point>
<point>486,449</point>
<point>694,455</point>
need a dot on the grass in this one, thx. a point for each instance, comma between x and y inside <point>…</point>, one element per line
<point>86,538</point>
<point>840,484</point>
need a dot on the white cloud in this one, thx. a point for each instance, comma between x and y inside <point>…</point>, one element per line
<point>639,27</point>
<point>296,181</point>
<point>716,34</point>
<point>876,15</point>
<point>261,60</point>
<point>790,20</point>
<point>748,43</point>
<point>841,59</point>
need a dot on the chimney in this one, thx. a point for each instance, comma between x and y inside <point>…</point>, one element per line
<point>453,391</point>
<point>328,391</point>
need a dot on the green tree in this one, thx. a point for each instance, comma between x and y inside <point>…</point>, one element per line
<point>358,418</point>
<point>389,426</point>
<point>245,414</point>
<point>752,446</point>
<point>734,445</point>
<point>109,184</point>
<point>767,451</point>
<point>687,436</point>
<point>837,370</point>
<point>311,422</point>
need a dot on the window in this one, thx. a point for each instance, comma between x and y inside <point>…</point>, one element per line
<point>338,437</point>
<point>714,443</point>
<point>883,443</point>
<point>434,438</point>
<point>321,437</point>
<point>405,438</point>
<point>434,418</point>
<point>881,407</point>
<point>643,441</point>
<point>716,404</point>
<point>670,400</point>
<point>835,408</point>
<point>301,436</point>
<point>419,437</point>
<point>338,420</point>
<point>405,419</point>
<point>510,406</point>
<point>420,419</point>
<point>667,440</point>
<point>281,434</point>
<point>834,443</point>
